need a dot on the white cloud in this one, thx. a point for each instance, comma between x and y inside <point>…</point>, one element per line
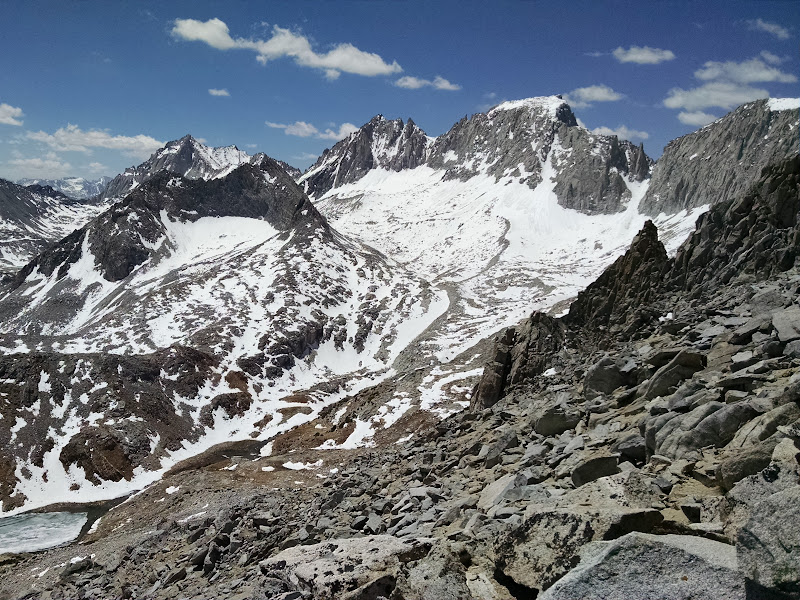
<point>727,85</point>
<point>697,117</point>
<point>778,31</point>
<point>721,94</point>
<point>213,32</point>
<point>303,129</point>
<point>643,55</point>
<point>622,132</point>
<point>345,129</point>
<point>10,115</point>
<point>73,138</point>
<point>414,83</point>
<point>216,92</point>
<point>748,71</point>
<point>771,58</point>
<point>284,43</point>
<point>586,96</point>
<point>96,167</point>
<point>306,156</point>
<point>49,167</point>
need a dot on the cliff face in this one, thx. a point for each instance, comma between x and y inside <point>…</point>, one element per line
<point>721,160</point>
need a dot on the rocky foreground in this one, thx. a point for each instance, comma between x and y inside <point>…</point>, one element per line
<point>644,446</point>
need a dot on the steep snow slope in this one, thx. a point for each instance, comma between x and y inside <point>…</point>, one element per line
<point>191,313</point>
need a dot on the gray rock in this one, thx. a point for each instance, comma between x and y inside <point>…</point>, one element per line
<point>595,467</point>
<point>685,364</point>
<point>363,566</point>
<point>768,546</point>
<point>652,567</point>
<point>557,419</point>
<point>787,323</point>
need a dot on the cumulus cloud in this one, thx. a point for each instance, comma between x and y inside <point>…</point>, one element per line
<point>622,132</point>
<point>343,57</point>
<point>414,83</point>
<point>720,94</point>
<point>96,168</point>
<point>727,85</point>
<point>47,167</point>
<point>303,129</point>
<point>778,31</point>
<point>216,92</point>
<point>748,71</point>
<point>72,138</point>
<point>10,115</point>
<point>643,55</point>
<point>586,96</point>
<point>698,118</point>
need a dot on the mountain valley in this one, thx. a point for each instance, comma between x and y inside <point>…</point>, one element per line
<point>504,362</point>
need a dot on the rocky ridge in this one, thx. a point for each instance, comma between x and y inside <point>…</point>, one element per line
<point>721,159</point>
<point>611,460</point>
<point>186,157</point>
<point>511,140</point>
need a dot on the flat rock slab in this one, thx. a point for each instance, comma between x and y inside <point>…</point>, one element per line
<point>650,567</point>
<point>787,323</point>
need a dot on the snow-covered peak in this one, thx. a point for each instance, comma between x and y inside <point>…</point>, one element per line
<point>187,157</point>
<point>778,104</point>
<point>550,104</point>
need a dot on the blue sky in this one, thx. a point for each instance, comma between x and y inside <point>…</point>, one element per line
<point>88,88</point>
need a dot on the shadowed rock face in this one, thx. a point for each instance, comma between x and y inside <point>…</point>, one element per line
<point>391,145</point>
<point>626,285</point>
<point>756,233</point>
<point>720,161</point>
<point>121,237</point>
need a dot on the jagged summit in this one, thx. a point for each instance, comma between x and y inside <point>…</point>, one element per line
<point>187,157</point>
<point>379,143</point>
<point>512,141</point>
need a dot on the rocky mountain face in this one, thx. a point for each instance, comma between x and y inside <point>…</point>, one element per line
<point>379,144</point>
<point>32,218</point>
<point>721,160</point>
<point>515,138</point>
<point>186,157</point>
<point>511,140</point>
<point>658,462</point>
<point>74,187</point>
<point>190,311</point>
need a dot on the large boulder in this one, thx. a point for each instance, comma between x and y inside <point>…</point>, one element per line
<point>768,546</point>
<point>663,567</point>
